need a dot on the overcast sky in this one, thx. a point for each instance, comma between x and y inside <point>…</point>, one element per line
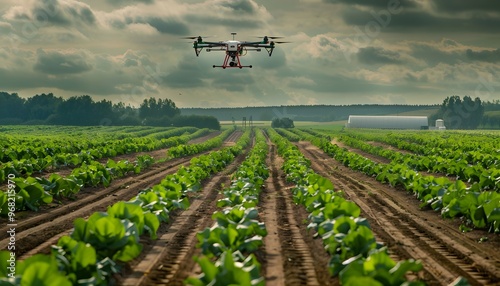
<point>341,51</point>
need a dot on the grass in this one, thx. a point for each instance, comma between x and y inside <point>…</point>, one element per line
<point>335,125</point>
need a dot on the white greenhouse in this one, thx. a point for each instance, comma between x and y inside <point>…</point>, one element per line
<point>388,122</point>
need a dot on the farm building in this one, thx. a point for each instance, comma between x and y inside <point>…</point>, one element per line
<point>388,122</point>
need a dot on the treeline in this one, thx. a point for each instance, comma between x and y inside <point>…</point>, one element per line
<point>84,111</point>
<point>318,113</point>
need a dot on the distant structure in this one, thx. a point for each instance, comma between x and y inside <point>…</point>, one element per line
<point>388,122</point>
<point>439,125</point>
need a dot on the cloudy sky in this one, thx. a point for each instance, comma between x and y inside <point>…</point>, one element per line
<point>341,51</point>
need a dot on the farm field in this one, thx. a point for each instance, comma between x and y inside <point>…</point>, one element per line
<point>262,197</point>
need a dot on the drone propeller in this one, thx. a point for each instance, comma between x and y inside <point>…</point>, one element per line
<point>269,37</point>
<point>199,39</point>
<point>280,42</point>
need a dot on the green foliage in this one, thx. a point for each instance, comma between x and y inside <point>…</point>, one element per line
<point>230,269</point>
<point>110,236</point>
<point>198,121</point>
<point>284,122</point>
<point>39,269</point>
<point>190,149</point>
<point>154,108</point>
<point>237,233</point>
<point>461,113</point>
<point>379,269</point>
<point>347,238</point>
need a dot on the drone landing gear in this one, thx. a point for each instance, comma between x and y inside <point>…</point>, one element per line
<point>214,66</point>
<point>232,61</point>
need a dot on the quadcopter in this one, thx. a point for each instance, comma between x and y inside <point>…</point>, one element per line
<point>234,49</point>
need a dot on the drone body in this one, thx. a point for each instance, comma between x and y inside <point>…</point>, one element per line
<point>234,49</point>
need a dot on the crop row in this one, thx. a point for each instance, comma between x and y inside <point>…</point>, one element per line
<point>190,149</point>
<point>32,192</point>
<point>476,167</point>
<point>228,245</point>
<point>26,159</point>
<point>99,246</point>
<point>452,198</point>
<point>17,148</point>
<point>356,257</point>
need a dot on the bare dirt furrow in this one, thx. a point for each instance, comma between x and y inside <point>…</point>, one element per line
<point>304,259</point>
<point>169,259</point>
<point>34,233</point>
<point>274,274</point>
<point>410,232</point>
<point>170,262</point>
<point>37,231</point>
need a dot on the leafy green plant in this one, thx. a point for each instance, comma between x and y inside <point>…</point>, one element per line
<point>347,238</point>
<point>230,269</point>
<point>111,237</point>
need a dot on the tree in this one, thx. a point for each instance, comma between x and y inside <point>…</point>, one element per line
<point>158,108</point>
<point>41,106</point>
<point>11,106</point>
<point>82,110</point>
<point>461,114</point>
<point>284,122</point>
<point>199,121</point>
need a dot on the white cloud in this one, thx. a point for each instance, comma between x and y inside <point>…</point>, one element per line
<point>127,50</point>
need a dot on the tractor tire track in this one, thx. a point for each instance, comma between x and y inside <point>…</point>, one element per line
<point>37,231</point>
<point>33,233</point>
<point>304,261</point>
<point>169,261</point>
<point>408,231</point>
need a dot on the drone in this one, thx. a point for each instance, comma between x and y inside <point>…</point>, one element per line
<point>234,49</point>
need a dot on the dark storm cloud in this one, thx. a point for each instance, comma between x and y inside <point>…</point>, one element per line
<point>375,3</point>
<point>335,83</point>
<point>182,78</point>
<point>413,78</point>
<point>241,6</point>
<point>376,55</point>
<point>240,14</point>
<point>229,21</point>
<point>414,20</point>
<point>97,83</point>
<point>263,61</point>
<point>187,74</point>
<point>163,25</point>
<point>484,56</point>
<point>54,62</point>
<point>466,5</point>
<point>434,55</point>
<point>234,82</point>
<point>338,87</point>
<point>168,26</point>
<point>57,13</point>
<point>128,2</point>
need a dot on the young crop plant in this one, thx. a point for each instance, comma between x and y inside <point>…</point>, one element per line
<point>356,257</point>
<point>228,245</point>
<point>99,246</point>
<point>32,155</point>
<point>480,207</point>
<point>33,192</point>
<point>190,149</point>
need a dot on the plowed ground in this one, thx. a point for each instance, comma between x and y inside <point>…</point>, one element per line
<point>290,255</point>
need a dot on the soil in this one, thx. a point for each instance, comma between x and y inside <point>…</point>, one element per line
<point>290,254</point>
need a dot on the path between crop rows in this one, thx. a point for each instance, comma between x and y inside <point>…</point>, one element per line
<point>409,232</point>
<point>37,231</point>
<point>289,256</point>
